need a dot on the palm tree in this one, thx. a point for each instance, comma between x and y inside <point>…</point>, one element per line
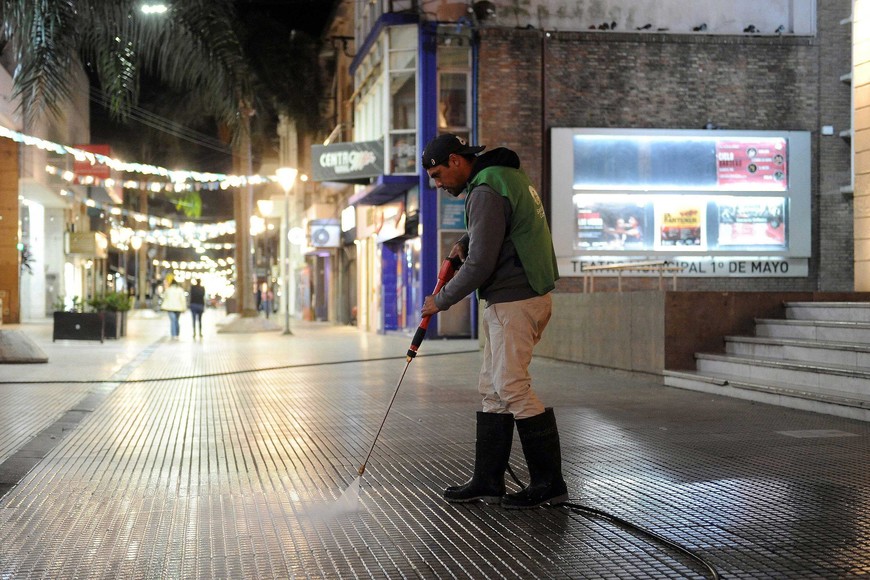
<point>285,70</point>
<point>193,46</point>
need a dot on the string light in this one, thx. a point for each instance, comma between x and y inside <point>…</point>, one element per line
<point>153,186</point>
<point>223,180</point>
<point>184,235</point>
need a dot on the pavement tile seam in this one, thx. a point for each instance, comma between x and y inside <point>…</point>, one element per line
<point>216,473</point>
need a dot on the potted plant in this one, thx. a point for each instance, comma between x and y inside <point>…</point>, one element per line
<point>113,306</point>
<point>121,303</point>
<point>72,323</point>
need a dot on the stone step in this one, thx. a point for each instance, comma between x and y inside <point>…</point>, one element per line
<point>820,378</point>
<point>830,311</point>
<point>830,331</point>
<point>817,359</point>
<point>780,394</point>
<point>847,354</point>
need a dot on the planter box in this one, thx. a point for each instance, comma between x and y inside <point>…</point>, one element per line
<point>79,326</point>
<point>114,324</point>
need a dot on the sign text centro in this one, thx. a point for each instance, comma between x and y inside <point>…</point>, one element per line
<point>343,162</point>
<point>347,161</point>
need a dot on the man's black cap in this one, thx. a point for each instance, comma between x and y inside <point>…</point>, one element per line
<point>442,147</point>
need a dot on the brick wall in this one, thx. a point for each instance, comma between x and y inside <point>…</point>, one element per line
<point>530,81</point>
<point>833,233</point>
<point>510,108</point>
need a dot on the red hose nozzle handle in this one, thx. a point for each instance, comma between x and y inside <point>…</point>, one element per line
<point>448,268</point>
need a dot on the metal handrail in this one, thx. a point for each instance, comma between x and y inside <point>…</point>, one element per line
<point>659,266</point>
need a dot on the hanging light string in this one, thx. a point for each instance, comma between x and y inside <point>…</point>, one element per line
<point>210,230</point>
<point>121,238</point>
<point>153,186</point>
<point>223,180</point>
<point>176,234</point>
<point>186,235</point>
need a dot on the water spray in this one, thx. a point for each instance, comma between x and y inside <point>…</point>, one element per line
<point>448,269</point>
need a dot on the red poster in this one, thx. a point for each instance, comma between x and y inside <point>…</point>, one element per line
<point>98,170</point>
<point>752,164</point>
<point>611,225</point>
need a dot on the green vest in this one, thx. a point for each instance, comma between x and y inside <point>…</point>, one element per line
<point>528,230</point>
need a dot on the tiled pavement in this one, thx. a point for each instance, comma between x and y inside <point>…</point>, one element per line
<point>225,458</point>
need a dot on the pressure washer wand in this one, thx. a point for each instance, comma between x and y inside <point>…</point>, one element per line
<point>448,269</point>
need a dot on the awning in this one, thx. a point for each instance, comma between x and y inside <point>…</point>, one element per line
<point>384,189</point>
<point>38,192</point>
<point>106,195</point>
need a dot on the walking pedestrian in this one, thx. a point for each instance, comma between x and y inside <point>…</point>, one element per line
<point>268,299</point>
<point>197,305</point>
<point>174,302</point>
<point>509,259</point>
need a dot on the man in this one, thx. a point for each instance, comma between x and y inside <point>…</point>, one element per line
<point>509,260</point>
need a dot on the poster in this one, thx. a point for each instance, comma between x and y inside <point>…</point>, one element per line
<point>752,222</point>
<point>612,225</point>
<point>680,224</point>
<point>752,164</point>
<point>452,212</point>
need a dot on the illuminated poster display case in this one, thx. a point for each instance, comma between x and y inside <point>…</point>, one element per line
<point>717,203</point>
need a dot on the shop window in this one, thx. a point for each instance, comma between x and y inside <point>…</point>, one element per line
<point>403,150</point>
<point>454,86</point>
<point>404,102</point>
<point>452,100</point>
<point>402,142</point>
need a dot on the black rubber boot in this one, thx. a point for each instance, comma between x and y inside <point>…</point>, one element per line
<point>540,438</point>
<point>495,433</point>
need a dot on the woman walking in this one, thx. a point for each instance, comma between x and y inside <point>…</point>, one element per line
<point>174,302</point>
<point>197,305</point>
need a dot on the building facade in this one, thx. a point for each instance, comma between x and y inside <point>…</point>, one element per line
<point>762,200</point>
<point>50,251</point>
<point>683,81</point>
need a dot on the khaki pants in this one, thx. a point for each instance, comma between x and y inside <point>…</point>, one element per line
<point>511,331</point>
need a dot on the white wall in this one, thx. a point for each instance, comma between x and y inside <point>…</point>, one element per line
<point>54,255</point>
<point>861,140</point>
<point>33,285</point>
<point>677,16</point>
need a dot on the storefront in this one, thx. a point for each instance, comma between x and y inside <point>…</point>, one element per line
<point>388,258</point>
<point>411,82</point>
<point>318,279</point>
<point>382,216</point>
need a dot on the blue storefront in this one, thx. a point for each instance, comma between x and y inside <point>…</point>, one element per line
<point>412,82</point>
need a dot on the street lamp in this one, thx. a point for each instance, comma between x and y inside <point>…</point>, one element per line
<point>136,244</point>
<point>156,8</point>
<point>286,177</point>
<point>266,207</point>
